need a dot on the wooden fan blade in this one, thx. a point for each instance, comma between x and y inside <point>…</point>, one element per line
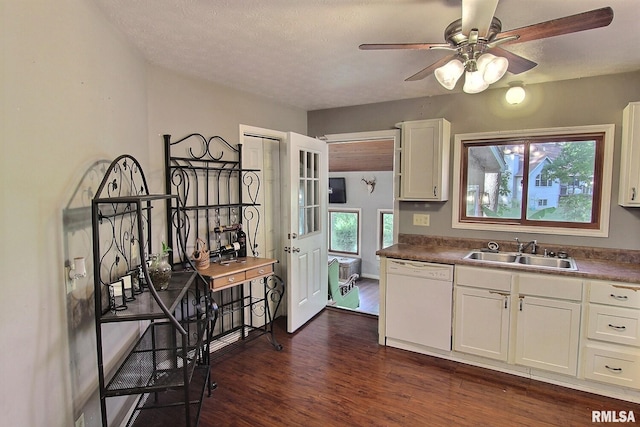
<point>430,69</point>
<point>517,64</point>
<point>403,46</point>
<point>556,27</point>
<point>478,14</point>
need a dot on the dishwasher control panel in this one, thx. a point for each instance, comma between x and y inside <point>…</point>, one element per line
<point>420,269</point>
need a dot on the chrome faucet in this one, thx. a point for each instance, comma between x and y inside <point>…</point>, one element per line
<point>523,246</point>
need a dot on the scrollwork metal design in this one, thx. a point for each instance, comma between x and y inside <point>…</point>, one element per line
<point>207,177</point>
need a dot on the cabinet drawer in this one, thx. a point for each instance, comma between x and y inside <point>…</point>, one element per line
<point>614,324</point>
<point>485,278</point>
<point>544,285</point>
<point>612,366</point>
<point>265,270</point>
<point>229,280</point>
<point>620,294</point>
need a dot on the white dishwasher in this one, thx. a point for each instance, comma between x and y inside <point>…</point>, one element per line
<point>419,300</point>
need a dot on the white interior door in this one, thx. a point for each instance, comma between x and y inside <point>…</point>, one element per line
<point>305,199</point>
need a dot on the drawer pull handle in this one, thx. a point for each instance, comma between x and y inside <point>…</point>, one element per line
<point>506,297</point>
<point>620,297</point>
<point>617,328</point>
<point>232,279</point>
<point>261,271</point>
<point>613,369</point>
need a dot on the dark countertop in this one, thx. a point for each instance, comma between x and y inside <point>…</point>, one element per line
<point>588,268</point>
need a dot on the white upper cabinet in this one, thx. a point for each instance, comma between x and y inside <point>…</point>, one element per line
<point>424,160</point>
<point>629,193</point>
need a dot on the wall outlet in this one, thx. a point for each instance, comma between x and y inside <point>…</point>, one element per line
<point>422,220</point>
<point>80,421</point>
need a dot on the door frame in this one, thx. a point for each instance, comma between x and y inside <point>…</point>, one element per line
<point>281,137</point>
<point>393,134</point>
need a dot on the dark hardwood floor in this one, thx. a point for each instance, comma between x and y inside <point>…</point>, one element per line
<point>332,372</point>
<point>369,295</point>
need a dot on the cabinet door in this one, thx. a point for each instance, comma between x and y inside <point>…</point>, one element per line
<point>547,334</point>
<point>481,322</point>
<point>424,166</point>
<point>629,192</point>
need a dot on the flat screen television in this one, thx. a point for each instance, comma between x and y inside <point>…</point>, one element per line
<point>337,190</point>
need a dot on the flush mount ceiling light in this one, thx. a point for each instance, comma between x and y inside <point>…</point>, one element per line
<point>515,94</point>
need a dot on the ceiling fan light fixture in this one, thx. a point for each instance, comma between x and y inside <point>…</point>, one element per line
<point>492,67</point>
<point>474,82</point>
<point>448,74</point>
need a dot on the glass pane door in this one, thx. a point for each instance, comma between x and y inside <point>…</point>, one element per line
<point>308,193</point>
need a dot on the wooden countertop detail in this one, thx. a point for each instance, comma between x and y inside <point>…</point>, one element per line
<point>235,272</point>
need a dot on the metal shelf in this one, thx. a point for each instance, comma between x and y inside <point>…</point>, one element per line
<point>156,362</point>
<point>169,364</point>
<point>167,408</point>
<point>145,307</point>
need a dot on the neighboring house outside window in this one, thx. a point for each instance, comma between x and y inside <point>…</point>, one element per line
<point>552,180</point>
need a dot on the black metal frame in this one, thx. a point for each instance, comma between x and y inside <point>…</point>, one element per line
<point>212,189</point>
<point>175,347</point>
<point>209,187</point>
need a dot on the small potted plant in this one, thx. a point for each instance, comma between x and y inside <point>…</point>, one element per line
<point>160,268</point>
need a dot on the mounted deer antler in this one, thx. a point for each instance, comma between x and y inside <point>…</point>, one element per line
<point>371,184</point>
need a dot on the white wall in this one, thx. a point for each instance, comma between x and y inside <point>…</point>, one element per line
<point>74,91</point>
<point>359,197</point>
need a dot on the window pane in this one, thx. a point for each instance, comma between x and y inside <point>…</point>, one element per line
<point>387,230</point>
<point>494,180</point>
<point>343,232</point>
<point>540,180</point>
<point>563,187</point>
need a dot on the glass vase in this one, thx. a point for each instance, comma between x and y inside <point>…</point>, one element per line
<point>160,271</point>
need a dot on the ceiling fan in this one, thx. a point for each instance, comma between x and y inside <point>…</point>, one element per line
<point>478,32</point>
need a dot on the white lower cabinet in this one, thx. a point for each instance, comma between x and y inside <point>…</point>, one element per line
<point>548,322</point>
<point>548,334</point>
<point>546,317</point>
<point>482,312</point>
<point>482,322</point>
<point>612,347</point>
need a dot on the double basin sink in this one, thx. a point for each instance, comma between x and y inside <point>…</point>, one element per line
<point>508,258</point>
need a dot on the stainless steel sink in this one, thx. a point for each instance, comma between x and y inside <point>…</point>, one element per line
<point>491,256</point>
<point>538,261</point>
<point>523,259</point>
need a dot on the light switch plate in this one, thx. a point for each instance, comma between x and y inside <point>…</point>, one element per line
<point>422,220</point>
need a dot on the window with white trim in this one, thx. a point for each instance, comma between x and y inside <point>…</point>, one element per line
<point>540,181</point>
<point>344,231</point>
<point>385,228</point>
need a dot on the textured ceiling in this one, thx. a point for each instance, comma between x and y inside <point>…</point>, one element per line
<point>304,53</point>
